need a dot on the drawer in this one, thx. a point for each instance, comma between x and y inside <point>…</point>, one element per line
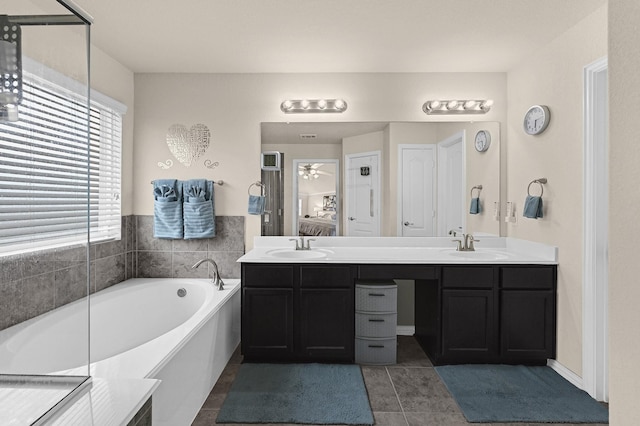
<point>528,277</point>
<point>376,298</point>
<point>467,277</point>
<point>325,276</point>
<point>376,325</point>
<point>264,275</point>
<point>375,351</point>
<point>398,272</point>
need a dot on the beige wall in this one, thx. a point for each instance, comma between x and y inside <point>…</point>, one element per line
<point>234,105</point>
<point>624,198</point>
<point>553,77</point>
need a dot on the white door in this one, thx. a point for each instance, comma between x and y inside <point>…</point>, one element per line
<point>362,189</point>
<point>451,185</point>
<point>417,190</point>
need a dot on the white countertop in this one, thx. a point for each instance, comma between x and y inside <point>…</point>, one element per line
<point>397,250</point>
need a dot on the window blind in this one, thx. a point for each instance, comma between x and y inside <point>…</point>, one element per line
<point>54,183</point>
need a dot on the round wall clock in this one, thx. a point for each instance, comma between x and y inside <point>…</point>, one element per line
<point>482,140</point>
<point>536,119</point>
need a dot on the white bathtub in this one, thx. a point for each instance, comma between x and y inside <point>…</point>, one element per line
<point>140,328</point>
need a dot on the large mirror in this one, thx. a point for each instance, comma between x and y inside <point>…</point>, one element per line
<point>389,178</point>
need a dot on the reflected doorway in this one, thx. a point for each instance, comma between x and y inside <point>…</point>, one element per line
<point>316,205</point>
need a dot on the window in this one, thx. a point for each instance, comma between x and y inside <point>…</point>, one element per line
<point>48,173</point>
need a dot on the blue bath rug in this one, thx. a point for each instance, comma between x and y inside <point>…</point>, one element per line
<point>516,393</point>
<point>297,393</point>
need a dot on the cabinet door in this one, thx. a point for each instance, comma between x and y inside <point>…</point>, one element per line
<point>527,324</point>
<point>468,325</point>
<point>267,323</point>
<point>327,321</point>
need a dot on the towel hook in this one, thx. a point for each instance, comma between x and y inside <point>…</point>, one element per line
<point>478,187</point>
<point>539,182</point>
<point>258,184</point>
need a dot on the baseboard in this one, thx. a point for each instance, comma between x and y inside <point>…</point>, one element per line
<point>569,375</point>
<point>405,330</point>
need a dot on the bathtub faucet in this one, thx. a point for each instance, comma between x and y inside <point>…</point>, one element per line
<point>215,280</point>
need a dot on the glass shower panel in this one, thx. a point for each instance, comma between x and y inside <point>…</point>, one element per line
<point>45,257</point>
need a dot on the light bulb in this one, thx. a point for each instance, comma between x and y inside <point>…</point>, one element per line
<point>452,104</point>
<point>434,104</point>
<point>470,104</point>
<point>322,104</point>
<point>304,104</point>
<point>339,104</point>
<point>287,104</point>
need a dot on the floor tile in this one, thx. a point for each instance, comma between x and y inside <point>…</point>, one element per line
<point>420,390</point>
<point>437,419</point>
<point>410,354</point>
<point>389,419</point>
<point>382,396</point>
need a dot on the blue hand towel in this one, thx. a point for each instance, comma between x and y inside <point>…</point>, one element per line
<point>475,206</point>
<point>256,204</point>
<point>167,209</point>
<point>532,207</point>
<point>198,209</point>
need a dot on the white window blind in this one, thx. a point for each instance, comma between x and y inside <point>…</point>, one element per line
<point>53,184</point>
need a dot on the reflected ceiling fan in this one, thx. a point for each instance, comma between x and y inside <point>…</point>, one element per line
<point>310,171</point>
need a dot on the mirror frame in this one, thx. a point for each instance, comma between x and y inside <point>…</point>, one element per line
<point>295,187</point>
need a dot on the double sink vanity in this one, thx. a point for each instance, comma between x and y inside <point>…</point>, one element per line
<point>496,304</point>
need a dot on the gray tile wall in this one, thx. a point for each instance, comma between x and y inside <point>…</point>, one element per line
<point>34,283</point>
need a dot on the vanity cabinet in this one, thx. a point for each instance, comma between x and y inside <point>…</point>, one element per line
<point>468,313</point>
<point>268,331</point>
<point>492,314</point>
<point>527,313</point>
<point>298,312</point>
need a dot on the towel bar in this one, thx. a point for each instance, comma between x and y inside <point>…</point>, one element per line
<point>539,182</point>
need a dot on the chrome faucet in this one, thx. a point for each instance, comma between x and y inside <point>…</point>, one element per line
<point>300,243</point>
<point>466,244</point>
<point>215,280</point>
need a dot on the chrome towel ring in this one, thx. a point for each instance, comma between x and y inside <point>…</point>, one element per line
<point>479,188</point>
<point>259,185</point>
<point>539,182</point>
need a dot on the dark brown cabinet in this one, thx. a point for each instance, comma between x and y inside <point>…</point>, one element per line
<point>298,312</point>
<point>491,314</point>
<point>463,313</point>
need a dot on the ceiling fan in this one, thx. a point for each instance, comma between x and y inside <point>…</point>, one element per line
<point>310,171</point>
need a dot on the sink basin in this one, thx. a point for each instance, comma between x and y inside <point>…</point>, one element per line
<point>298,254</point>
<point>478,255</point>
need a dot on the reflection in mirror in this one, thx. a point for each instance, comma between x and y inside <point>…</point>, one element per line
<point>450,166</point>
<point>316,186</point>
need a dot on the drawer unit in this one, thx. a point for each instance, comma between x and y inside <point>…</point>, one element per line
<point>376,323</point>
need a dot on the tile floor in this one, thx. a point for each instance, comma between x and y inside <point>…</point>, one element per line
<point>409,393</point>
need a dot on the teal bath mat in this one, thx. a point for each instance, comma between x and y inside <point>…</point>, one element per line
<point>297,393</point>
<point>516,393</point>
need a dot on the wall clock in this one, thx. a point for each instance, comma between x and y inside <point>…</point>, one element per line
<point>482,140</point>
<point>536,119</point>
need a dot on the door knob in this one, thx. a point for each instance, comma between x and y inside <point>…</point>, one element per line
<point>407,223</point>
<point>352,218</point>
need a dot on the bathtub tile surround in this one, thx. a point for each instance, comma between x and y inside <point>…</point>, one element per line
<point>161,258</point>
<point>34,283</point>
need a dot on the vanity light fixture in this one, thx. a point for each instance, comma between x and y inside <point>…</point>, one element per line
<point>457,106</point>
<point>297,106</point>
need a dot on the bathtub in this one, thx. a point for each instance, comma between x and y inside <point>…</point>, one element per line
<point>140,328</point>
